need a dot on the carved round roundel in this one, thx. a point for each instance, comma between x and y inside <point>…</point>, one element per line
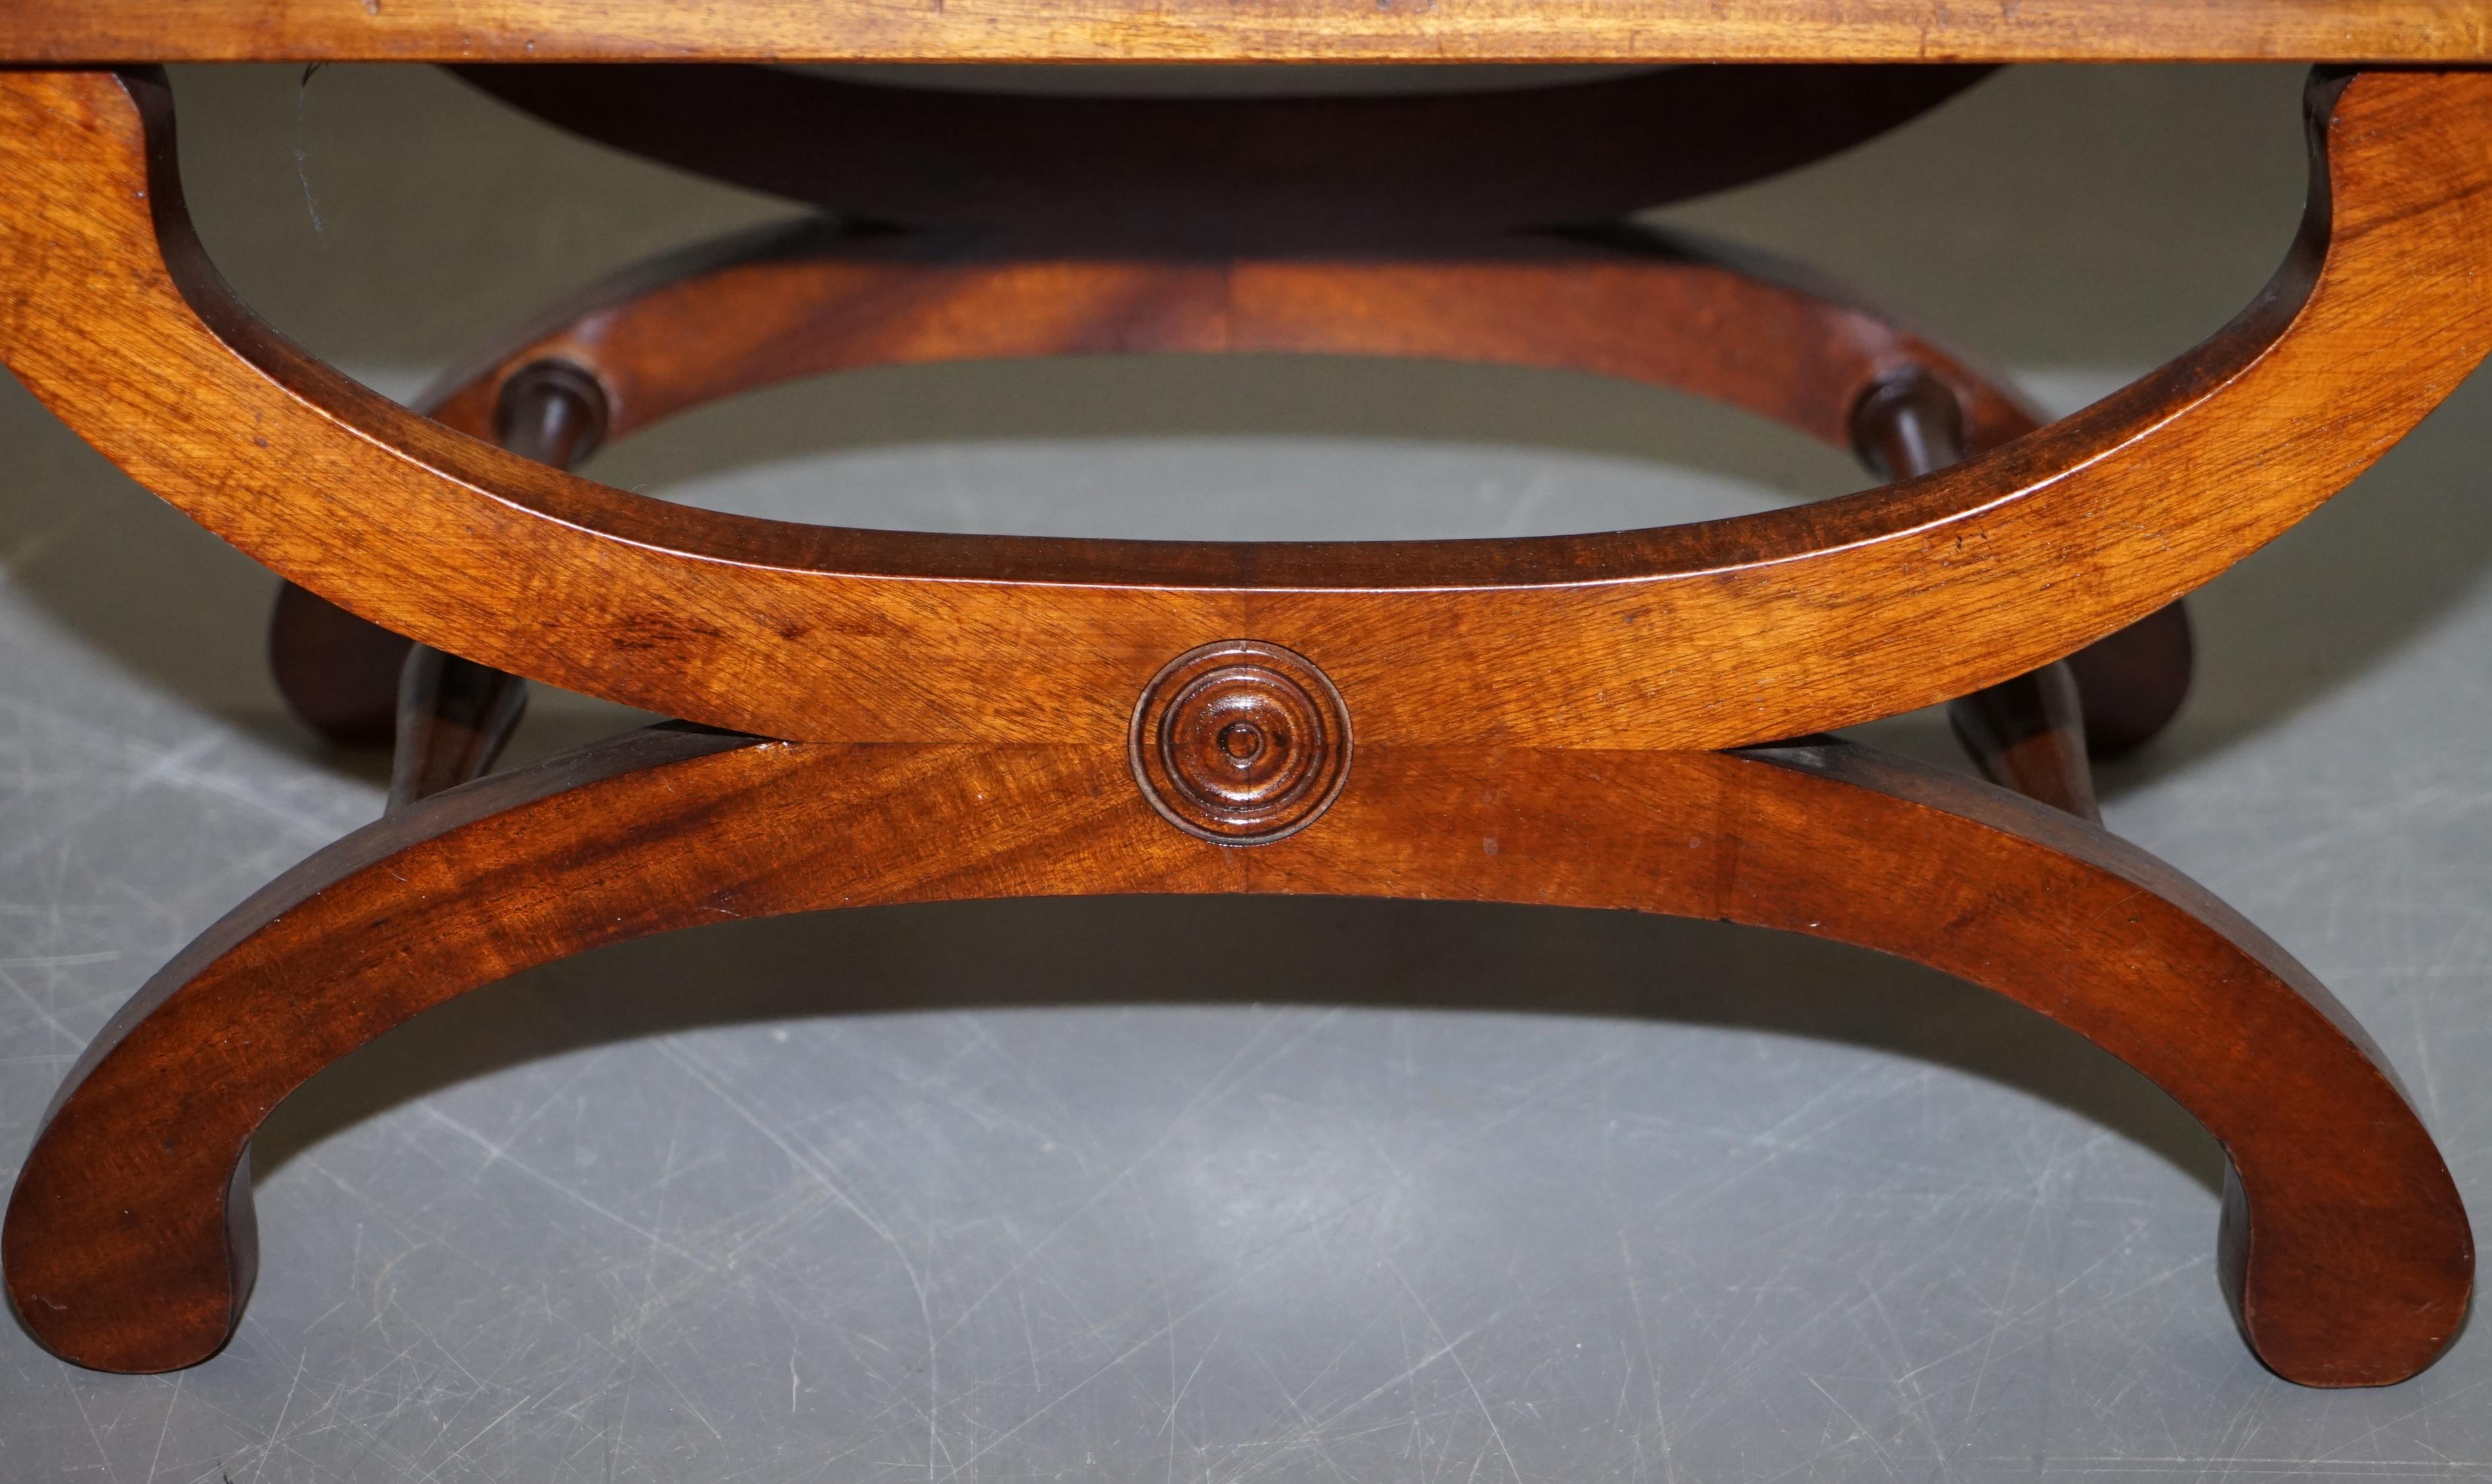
<point>1240,742</point>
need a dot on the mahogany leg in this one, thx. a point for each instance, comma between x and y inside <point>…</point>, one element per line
<point>129,1241</point>
<point>454,717</point>
<point>360,685</point>
<point>2134,680</point>
<point>1712,635</point>
<point>757,307</point>
<point>339,672</point>
<point>2030,733</point>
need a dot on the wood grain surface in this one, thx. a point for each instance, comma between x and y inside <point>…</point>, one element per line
<point>785,302</point>
<point>356,683</point>
<point>67,31</point>
<point>130,1244</point>
<point>789,301</point>
<point>1220,184</point>
<point>1712,635</point>
<point>2026,733</point>
<point>454,715</point>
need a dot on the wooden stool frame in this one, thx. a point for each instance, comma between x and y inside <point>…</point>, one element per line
<point>876,717</point>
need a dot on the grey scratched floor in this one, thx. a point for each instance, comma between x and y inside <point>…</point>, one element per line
<point>1408,1193</point>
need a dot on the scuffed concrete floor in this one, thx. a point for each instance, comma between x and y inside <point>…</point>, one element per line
<point>909,1194</point>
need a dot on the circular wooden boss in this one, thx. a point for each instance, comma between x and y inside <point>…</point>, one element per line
<point>1240,742</point>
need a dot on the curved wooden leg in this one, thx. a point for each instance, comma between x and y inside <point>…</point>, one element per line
<point>2028,735</point>
<point>1712,635</point>
<point>129,1239</point>
<point>2032,734</point>
<point>360,685</point>
<point>753,309</point>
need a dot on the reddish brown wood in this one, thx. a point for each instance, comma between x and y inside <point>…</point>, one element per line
<point>1240,743</point>
<point>789,302</point>
<point>2034,734</point>
<point>129,1244</point>
<point>1909,424</point>
<point>1703,635</point>
<point>552,412</point>
<point>454,717</point>
<point>806,299</point>
<point>2134,681</point>
<point>339,672</point>
<point>1128,172</point>
<point>2026,733</point>
<point>982,717</point>
<point>360,685</point>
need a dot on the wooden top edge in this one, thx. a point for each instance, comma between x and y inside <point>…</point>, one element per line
<point>81,32</point>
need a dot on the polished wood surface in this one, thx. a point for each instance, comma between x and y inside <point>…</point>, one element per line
<point>1532,721</point>
<point>2134,681</point>
<point>130,1240</point>
<point>1713,635</point>
<point>70,31</point>
<point>2026,733</point>
<point>809,298</point>
<point>1219,180</point>
<point>1241,743</point>
<point>455,717</point>
<point>786,302</point>
<point>358,684</point>
<point>338,672</point>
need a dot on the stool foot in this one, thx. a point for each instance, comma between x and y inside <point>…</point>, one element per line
<point>339,672</point>
<point>2133,681</point>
